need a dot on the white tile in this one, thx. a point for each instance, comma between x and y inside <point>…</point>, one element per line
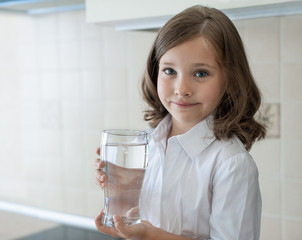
<point>292,120</point>
<point>72,115</point>
<point>73,147</point>
<point>292,159</point>
<point>292,198</point>
<point>34,169</point>
<point>116,114</point>
<point>90,181</point>
<point>71,85</point>
<point>68,25</point>
<point>31,139</point>
<point>10,57</point>
<point>268,49</point>
<point>266,154</point>
<point>91,54</point>
<point>74,202</point>
<point>241,26</point>
<point>28,56</point>
<point>93,115</point>
<point>116,84</point>
<point>291,82</point>
<point>51,143</point>
<point>51,114</point>
<point>292,38</point>
<point>293,229</point>
<point>48,57</point>
<point>94,202</point>
<point>138,46</point>
<point>31,115</point>
<point>270,228</point>
<point>69,55</point>
<point>45,196</point>
<point>89,30</point>
<point>267,77</point>
<point>51,197</point>
<point>271,196</point>
<point>50,84</point>
<point>30,86</point>
<point>92,140</point>
<point>9,89</point>
<point>47,28</point>
<point>114,48</point>
<point>26,28</point>
<point>53,170</point>
<point>93,84</point>
<point>74,174</point>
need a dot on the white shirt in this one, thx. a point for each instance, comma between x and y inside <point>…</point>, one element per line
<point>201,187</point>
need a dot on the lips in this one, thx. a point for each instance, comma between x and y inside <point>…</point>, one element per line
<point>184,104</point>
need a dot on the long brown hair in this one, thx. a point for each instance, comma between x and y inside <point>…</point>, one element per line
<point>234,116</point>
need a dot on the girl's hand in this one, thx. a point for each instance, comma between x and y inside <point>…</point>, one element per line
<point>100,175</point>
<point>136,231</point>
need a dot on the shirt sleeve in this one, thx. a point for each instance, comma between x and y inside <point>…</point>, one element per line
<point>236,200</point>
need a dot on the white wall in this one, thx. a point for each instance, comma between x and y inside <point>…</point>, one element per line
<point>62,81</point>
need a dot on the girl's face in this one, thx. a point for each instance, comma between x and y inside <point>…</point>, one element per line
<point>190,82</point>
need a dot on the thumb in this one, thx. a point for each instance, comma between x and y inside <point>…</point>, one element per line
<point>119,224</point>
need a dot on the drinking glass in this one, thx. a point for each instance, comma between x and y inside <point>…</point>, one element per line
<point>124,153</point>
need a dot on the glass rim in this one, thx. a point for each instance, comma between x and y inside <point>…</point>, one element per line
<point>125,132</point>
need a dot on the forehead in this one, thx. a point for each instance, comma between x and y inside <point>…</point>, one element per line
<point>196,49</point>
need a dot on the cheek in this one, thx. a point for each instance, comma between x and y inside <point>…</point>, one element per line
<point>161,90</point>
<point>212,95</point>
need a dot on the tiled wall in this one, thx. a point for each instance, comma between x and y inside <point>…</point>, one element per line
<point>63,81</point>
<point>274,47</point>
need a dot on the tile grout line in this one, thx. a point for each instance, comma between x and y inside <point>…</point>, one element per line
<point>281,124</point>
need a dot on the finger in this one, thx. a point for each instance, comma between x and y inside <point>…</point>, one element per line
<point>100,184</point>
<point>98,151</point>
<point>133,212</point>
<point>102,228</point>
<point>146,222</point>
<point>100,179</point>
<point>100,175</point>
<point>97,162</point>
<point>98,221</point>
<point>120,226</point>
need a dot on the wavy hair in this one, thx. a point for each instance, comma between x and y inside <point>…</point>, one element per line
<point>234,116</point>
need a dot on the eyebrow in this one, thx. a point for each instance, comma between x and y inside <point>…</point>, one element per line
<point>194,65</point>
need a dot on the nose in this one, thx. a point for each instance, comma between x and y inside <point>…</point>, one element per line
<point>183,88</point>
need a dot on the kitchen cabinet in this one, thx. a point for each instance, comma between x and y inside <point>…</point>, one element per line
<point>140,14</point>
<point>34,7</point>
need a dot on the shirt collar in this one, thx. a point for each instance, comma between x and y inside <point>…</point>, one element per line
<point>161,132</point>
<point>193,142</point>
<point>197,138</point>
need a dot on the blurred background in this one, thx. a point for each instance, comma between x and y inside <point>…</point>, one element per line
<point>70,69</point>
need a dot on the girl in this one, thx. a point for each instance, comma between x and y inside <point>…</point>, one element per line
<point>201,181</point>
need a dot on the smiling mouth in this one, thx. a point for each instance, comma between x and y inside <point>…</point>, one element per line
<point>184,105</point>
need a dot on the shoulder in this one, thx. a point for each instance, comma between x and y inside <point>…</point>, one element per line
<point>149,132</point>
<point>233,159</point>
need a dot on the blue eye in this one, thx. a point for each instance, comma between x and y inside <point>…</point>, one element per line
<point>201,74</point>
<point>169,71</point>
